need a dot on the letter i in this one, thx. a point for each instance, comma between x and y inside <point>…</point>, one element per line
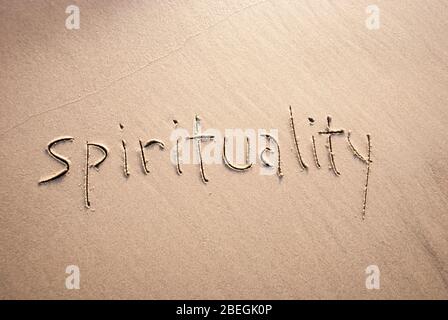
<point>313,145</point>
<point>125,156</point>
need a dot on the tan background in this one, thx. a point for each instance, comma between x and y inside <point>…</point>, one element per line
<point>238,64</point>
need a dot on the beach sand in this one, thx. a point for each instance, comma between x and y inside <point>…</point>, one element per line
<point>236,64</point>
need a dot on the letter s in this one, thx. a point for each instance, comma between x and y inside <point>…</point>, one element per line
<point>58,158</point>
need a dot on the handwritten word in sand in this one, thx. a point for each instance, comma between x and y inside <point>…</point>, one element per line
<point>179,151</point>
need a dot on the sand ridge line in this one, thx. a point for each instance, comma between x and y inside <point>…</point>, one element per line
<point>146,65</point>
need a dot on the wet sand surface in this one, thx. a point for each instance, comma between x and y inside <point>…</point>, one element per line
<point>236,64</point>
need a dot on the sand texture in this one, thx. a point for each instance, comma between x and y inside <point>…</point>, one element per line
<point>236,64</point>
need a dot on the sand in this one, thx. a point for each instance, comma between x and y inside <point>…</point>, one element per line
<point>237,64</point>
